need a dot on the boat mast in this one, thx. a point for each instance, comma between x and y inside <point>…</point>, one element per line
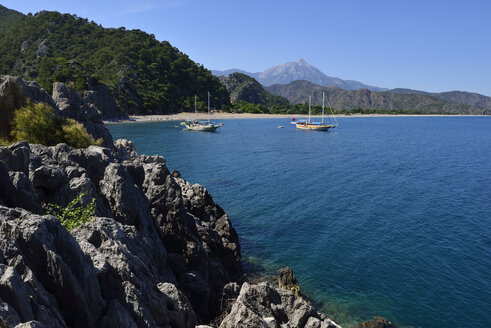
<point>195,107</point>
<point>322,107</point>
<point>208,106</point>
<point>310,101</point>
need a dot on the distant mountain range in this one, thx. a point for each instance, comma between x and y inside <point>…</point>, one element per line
<point>299,70</point>
<point>289,80</point>
<point>398,99</point>
<point>458,97</point>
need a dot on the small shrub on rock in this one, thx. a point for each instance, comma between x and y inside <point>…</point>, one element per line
<point>75,135</point>
<point>75,213</point>
<point>37,123</point>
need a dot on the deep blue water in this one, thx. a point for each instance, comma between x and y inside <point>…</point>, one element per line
<point>381,216</point>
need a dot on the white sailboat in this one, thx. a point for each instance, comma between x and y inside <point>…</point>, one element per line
<point>317,126</point>
<point>196,125</point>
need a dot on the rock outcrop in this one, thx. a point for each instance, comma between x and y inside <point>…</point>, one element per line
<point>15,92</point>
<point>72,105</point>
<point>287,280</point>
<point>263,305</point>
<point>100,96</point>
<point>377,322</point>
<point>146,260</point>
<point>159,253</point>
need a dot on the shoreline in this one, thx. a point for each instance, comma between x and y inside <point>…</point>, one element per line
<point>227,116</point>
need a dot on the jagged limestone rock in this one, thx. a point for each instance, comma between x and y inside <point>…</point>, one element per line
<point>119,261</point>
<point>263,305</point>
<point>16,156</point>
<point>100,96</point>
<point>125,149</point>
<point>287,280</point>
<point>71,105</point>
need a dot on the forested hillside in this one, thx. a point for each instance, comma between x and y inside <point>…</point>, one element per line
<point>458,97</point>
<point>246,94</point>
<point>147,76</point>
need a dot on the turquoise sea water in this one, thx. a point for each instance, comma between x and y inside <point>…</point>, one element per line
<point>381,216</point>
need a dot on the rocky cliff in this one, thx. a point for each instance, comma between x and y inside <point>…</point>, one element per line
<point>159,252</point>
<point>147,260</point>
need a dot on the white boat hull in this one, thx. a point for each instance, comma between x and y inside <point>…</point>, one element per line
<point>203,127</point>
<point>313,127</point>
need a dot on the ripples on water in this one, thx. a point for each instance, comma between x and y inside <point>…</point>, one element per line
<point>382,216</point>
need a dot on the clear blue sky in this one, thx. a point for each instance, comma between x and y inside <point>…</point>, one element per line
<point>426,45</point>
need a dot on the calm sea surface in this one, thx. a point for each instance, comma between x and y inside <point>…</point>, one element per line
<point>381,216</point>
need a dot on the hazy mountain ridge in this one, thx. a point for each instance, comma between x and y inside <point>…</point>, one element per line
<point>231,71</point>
<point>299,70</point>
<point>457,97</point>
<point>299,91</point>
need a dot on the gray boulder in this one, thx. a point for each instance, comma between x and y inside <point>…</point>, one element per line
<point>126,150</point>
<point>101,97</point>
<point>287,280</point>
<point>203,246</point>
<point>263,305</point>
<point>45,275</point>
<point>16,190</point>
<point>71,105</point>
<point>130,266</point>
<point>16,156</point>
<point>220,238</point>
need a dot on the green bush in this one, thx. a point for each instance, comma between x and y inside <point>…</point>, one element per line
<point>37,123</point>
<point>75,135</point>
<point>75,213</point>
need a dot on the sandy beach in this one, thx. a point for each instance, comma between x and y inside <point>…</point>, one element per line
<point>224,116</point>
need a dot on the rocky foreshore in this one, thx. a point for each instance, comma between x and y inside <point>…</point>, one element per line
<point>158,253</point>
